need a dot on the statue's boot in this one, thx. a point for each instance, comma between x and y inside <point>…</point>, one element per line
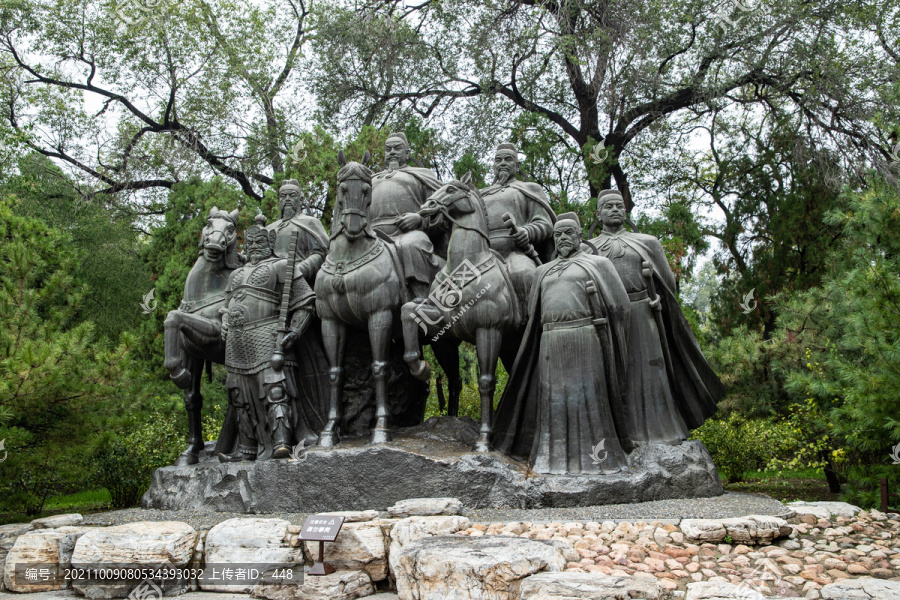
<point>281,445</point>
<point>236,457</point>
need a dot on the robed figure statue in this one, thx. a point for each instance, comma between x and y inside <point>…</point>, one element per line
<point>670,388</point>
<point>562,399</point>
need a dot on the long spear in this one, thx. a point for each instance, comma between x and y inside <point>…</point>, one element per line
<point>278,354</point>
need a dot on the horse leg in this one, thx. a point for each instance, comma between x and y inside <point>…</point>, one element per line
<point>176,361</point>
<point>446,351</point>
<point>193,404</point>
<point>413,316</point>
<point>380,339</point>
<point>487,347</point>
<point>334,338</point>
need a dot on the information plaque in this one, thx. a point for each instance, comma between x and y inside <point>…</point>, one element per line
<point>321,528</point>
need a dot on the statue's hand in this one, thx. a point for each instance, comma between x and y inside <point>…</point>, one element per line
<point>521,237</point>
<point>410,221</point>
<point>289,340</point>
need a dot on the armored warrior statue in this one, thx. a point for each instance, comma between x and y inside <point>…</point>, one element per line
<point>670,388</point>
<point>398,193</point>
<point>520,221</point>
<point>562,402</point>
<point>260,324</point>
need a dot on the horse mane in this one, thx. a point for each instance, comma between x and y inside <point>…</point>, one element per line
<point>473,192</point>
<point>354,169</point>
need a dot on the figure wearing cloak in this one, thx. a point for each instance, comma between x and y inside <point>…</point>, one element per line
<point>398,193</point>
<point>562,397</point>
<point>528,234</point>
<point>671,388</point>
<point>262,397</point>
<point>311,374</point>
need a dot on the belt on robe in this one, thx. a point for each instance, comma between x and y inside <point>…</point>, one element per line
<point>635,296</point>
<point>571,324</point>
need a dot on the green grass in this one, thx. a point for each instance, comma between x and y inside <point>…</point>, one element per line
<point>88,498</point>
<point>86,502</point>
<point>801,484</point>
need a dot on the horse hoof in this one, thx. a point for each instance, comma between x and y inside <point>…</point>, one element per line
<point>422,371</point>
<point>327,439</point>
<point>381,436</point>
<point>182,378</point>
<point>282,451</point>
<point>187,458</point>
<point>482,446</point>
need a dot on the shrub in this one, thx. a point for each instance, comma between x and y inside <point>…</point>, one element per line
<point>125,466</point>
<point>739,445</point>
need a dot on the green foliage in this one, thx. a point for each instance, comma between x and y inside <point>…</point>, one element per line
<point>848,330</point>
<point>739,445</point>
<point>863,487</point>
<point>109,248</point>
<point>58,381</point>
<point>124,466</point>
<point>469,398</point>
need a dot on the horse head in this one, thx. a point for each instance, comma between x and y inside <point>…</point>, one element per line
<point>456,201</point>
<point>219,238</point>
<point>354,195</point>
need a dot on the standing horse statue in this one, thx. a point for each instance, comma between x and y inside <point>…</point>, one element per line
<point>362,285</point>
<point>471,299</point>
<point>359,286</point>
<point>193,331</point>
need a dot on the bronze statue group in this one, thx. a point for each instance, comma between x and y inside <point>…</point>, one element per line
<point>598,351</point>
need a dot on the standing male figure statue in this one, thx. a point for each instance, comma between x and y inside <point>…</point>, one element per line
<point>520,221</point>
<point>563,397</point>
<point>262,391</point>
<point>312,243</point>
<point>311,372</point>
<point>398,193</point>
<point>671,388</point>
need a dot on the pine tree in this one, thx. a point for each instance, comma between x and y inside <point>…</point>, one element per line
<point>58,382</point>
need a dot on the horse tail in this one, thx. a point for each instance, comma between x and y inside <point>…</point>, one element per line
<point>209,371</point>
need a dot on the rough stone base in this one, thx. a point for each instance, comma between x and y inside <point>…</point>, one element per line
<point>431,460</point>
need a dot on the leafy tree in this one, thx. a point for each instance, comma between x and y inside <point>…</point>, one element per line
<point>58,381</point>
<point>194,88</point>
<point>602,75</point>
<point>109,246</point>
<point>848,325</point>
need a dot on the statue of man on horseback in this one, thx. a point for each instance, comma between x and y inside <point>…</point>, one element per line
<point>398,193</point>
<point>520,221</point>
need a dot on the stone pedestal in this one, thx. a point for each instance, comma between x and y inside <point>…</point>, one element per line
<point>431,460</point>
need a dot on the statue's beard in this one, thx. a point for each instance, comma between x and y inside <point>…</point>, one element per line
<point>288,211</point>
<point>393,163</point>
<point>566,249</point>
<point>502,175</point>
<point>260,254</point>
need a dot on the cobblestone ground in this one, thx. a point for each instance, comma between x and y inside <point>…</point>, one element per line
<point>818,552</point>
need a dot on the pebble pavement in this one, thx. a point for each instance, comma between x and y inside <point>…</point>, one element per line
<point>727,505</point>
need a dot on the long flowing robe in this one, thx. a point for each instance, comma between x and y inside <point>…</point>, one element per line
<point>562,399</point>
<point>695,387</point>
